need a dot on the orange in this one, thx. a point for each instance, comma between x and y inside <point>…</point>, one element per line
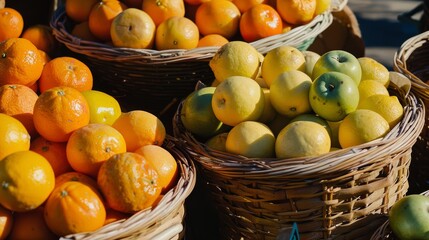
<point>74,207</point>
<point>74,176</point>
<point>11,23</point>
<point>220,16</point>
<point>212,40</point>
<point>44,56</point>
<point>54,152</point>
<point>296,12</point>
<point>113,216</point>
<point>41,36</point>
<point>164,163</point>
<point>31,225</point>
<point>245,5</point>
<point>161,10</point>
<point>82,31</point>
<point>6,222</point>
<point>58,112</point>
<point>20,62</point>
<point>78,10</point>
<point>88,147</point>
<point>128,182</point>
<point>18,101</point>
<point>195,2</point>
<point>13,136</point>
<point>133,3</point>
<point>66,71</point>
<point>101,18</point>
<point>27,180</point>
<point>140,128</point>
<point>177,33</point>
<point>260,21</point>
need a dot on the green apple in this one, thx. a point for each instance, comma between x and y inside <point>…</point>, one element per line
<point>333,95</point>
<point>197,114</point>
<point>310,59</point>
<point>338,61</point>
<point>289,93</point>
<point>237,99</point>
<point>103,108</point>
<point>409,217</point>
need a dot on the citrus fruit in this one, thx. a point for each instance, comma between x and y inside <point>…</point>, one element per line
<point>368,88</point>
<point>235,58</point>
<point>161,10</point>
<point>302,139</point>
<point>103,108</point>
<point>217,142</point>
<point>74,176</point>
<point>74,207</point>
<point>374,70</point>
<point>113,216</point>
<point>279,60</point>
<point>59,111</point>
<point>313,118</point>
<point>101,17</point>
<point>244,5</point>
<point>13,136</point>
<point>177,33</point>
<point>82,31</point>
<point>322,6</point>
<point>128,182</point>
<point>361,126</point>
<point>296,12</point>
<point>140,128</point>
<point>212,40</point>
<point>269,112</point>
<point>164,163</point>
<point>66,71</point>
<point>11,23</point>
<point>41,36</point>
<point>79,10</point>
<point>27,180</point>
<point>389,107</point>
<point>260,21</point>
<point>6,222</point>
<point>31,225</point>
<point>251,139</point>
<point>91,145</point>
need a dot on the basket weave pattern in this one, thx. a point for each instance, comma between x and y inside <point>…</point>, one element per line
<point>163,222</point>
<point>412,60</point>
<point>340,195</point>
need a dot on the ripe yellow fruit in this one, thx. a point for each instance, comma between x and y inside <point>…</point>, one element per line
<point>13,136</point>
<point>281,59</point>
<point>371,87</point>
<point>296,12</point>
<point>302,139</point>
<point>235,58</point>
<point>372,69</point>
<point>251,139</point>
<point>361,126</point>
<point>218,142</point>
<point>177,33</point>
<point>389,107</point>
<point>322,6</point>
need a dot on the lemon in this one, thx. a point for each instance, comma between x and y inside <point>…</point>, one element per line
<point>334,126</point>
<point>361,126</point>
<point>322,6</point>
<point>281,59</point>
<point>313,118</point>
<point>302,139</point>
<point>269,112</point>
<point>251,139</point>
<point>388,107</point>
<point>103,108</point>
<point>371,87</point>
<point>372,69</point>
<point>236,58</point>
<point>218,142</point>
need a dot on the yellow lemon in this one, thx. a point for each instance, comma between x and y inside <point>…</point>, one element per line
<point>103,108</point>
<point>269,112</point>
<point>218,142</point>
<point>313,118</point>
<point>372,69</point>
<point>236,58</point>
<point>388,107</point>
<point>14,136</point>
<point>322,6</point>
<point>281,59</point>
<point>371,87</point>
<point>251,139</point>
<point>361,126</point>
<point>302,139</point>
<point>296,12</point>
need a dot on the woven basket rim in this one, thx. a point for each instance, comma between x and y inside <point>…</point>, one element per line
<point>407,49</point>
<point>401,137</point>
<point>102,51</point>
<point>384,230</point>
<point>155,221</point>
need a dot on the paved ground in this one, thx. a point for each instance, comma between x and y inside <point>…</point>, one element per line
<point>381,30</point>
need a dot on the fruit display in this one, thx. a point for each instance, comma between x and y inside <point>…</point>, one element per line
<point>336,87</point>
<point>182,24</point>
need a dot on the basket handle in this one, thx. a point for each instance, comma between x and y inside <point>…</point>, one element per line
<point>400,82</point>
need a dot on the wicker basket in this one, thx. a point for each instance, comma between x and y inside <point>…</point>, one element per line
<point>157,81</point>
<point>163,222</point>
<point>412,60</point>
<point>343,194</point>
<point>384,232</point>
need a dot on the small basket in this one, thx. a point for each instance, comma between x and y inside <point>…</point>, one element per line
<point>156,81</point>
<point>384,232</point>
<point>163,222</point>
<point>412,60</point>
<point>343,194</point>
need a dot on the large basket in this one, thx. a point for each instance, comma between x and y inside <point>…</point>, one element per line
<point>157,81</point>
<point>384,232</point>
<point>163,222</point>
<point>343,194</point>
<point>412,60</point>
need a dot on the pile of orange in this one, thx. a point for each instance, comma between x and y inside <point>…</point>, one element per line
<point>187,24</point>
<point>69,157</point>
